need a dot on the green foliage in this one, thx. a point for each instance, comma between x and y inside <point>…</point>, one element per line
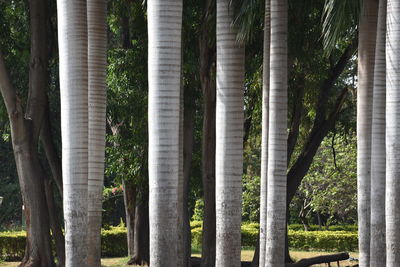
<point>323,240</point>
<point>332,228</point>
<point>114,244</point>
<point>251,198</point>
<point>198,213</point>
<point>330,186</point>
<point>12,245</point>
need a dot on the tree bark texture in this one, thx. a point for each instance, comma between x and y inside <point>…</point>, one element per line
<point>393,134</point>
<point>229,139</point>
<point>208,86</point>
<point>97,101</point>
<point>264,135</point>
<point>366,59</point>
<point>73,54</point>
<point>164,68</point>
<point>277,137</point>
<point>130,207</point>
<point>378,149</point>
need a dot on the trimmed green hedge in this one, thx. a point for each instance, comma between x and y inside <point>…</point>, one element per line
<point>113,241</point>
<point>12,245</point>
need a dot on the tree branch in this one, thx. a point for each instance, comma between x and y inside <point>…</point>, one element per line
<point>319,260</point>
<point>303,162</point>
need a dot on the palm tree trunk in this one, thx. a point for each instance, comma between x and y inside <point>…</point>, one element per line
<point>378,151</point>
<point>207,70</point>
<point>73,51</point>
<point>393,134</point>
<point>264,137</point>
<point>366,57</point>
<point>229,138</point>
<point>97,60</point>
<point>277,137</point>
<point>164,68</point>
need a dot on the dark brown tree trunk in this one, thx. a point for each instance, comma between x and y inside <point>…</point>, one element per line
<point>142,235</point>
<point>130,205</point>
<point>55,226</point>
<point>31,177</point>
<point>207,67</point>
<point>188,135</point>
<point>25,134</point>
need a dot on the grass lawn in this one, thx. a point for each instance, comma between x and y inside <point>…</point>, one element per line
<point>247,255</point>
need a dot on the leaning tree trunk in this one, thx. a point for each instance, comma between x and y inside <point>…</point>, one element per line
<point>73,53</point>
<point>378,150</point>
<point>229,139</point>
<point>97,60</point>
<point>277,137</point>
<point>393,134</point>
<point>164,68</point>
<point>366,57</point>
<point>129,190</point>
<point>206,69</point>
<point>264,135</point>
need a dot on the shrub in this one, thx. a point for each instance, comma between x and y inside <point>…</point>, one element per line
<point>323,240</point>
<point>12,245</point>
<point>114,244</point>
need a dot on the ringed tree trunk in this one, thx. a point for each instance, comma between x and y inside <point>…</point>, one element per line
<point>97,99</point>
<point>264,135</point>
<point>393,134</point>
<point>229,139</point>
<point>277,137</point>
<point>366,59</point>
<point>25,130</point>
<point>207,62</point>
<point>73,53</point>
<point>164,68</point>
<point>378,149</point>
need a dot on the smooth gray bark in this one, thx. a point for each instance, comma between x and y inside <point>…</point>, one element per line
<point>366,59</point>
<point>277,137</point>
<point>264,136</point>
<point>393,134</point>
<point>378,149</point>
<point>73,53</point>
<point>97,60</point>
<point>229,139</point>
<point>164,72</point>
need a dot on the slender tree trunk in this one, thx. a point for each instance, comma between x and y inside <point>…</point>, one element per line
<point>97,60</point>
<point>277,137</point>
<point>130,206</point>
<point>73,53</point>
<point>188,136</point>
<point>207,61</point>
<point>378,149</point>
<point>366,57</point>
<point>55,226</point>
<point>164,29</point>
<point>141,247</point>
<point>393,134</point>
<point>229,139</point>
<point>264,136</point>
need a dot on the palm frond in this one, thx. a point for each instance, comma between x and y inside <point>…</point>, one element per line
<point>340,18</point>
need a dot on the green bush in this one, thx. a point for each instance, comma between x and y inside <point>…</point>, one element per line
<point>323,240</point>
<point>300,227</point>
<point>114,244</point>
<point>12,245</point>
